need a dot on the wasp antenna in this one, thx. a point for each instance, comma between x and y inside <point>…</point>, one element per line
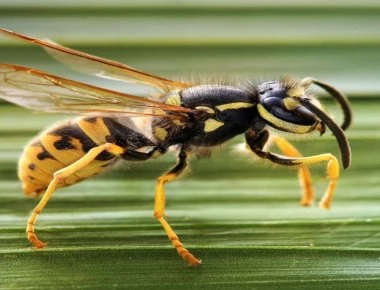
<point>337,95</point>
<point>338,132</point>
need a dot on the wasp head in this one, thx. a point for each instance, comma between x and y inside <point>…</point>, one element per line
<point>280,107</point>
<point>287,106</point>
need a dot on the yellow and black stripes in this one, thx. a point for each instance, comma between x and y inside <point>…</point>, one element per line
<point>59,179</point>
<point>71,140</point>
<point>54,150</point>
<point>68,142</point>
<point>94,128</point>
<point>283,125</point>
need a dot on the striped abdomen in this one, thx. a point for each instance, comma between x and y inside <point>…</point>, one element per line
<point>65,143</point>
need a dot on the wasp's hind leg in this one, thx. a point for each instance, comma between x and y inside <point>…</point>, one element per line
<point>59,177</point>
<point>256,142</point>
<point>304,175</point>
<point>159,206</point>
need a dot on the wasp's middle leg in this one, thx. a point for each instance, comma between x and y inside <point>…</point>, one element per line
<point>159,206</point>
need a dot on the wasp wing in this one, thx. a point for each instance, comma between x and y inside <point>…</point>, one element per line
<point>94,65</point>
<point>40,91</point>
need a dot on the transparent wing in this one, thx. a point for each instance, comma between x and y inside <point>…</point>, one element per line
<point>40,91</point>
<point>94,65</point>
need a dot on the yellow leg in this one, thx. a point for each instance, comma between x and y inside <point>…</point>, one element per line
<point>304,175</point>
<point>257,140</point>
<point>159,208</point>
<point>59,177</point>
<point>332,171</point>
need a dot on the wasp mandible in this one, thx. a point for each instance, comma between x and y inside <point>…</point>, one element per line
<point>185,116</point>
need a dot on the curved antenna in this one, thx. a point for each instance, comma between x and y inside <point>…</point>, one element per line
<point>344,146</point>
<point>339,96</point>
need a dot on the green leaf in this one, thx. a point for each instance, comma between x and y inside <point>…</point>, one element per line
<point>240,216</point>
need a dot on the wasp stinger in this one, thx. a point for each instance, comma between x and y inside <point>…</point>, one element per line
<point>187,116</point>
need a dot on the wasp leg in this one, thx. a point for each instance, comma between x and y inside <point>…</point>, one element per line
<point>304,175</point>
<point>159,206</point>
<point>257,140</point>
<point>59,177</point>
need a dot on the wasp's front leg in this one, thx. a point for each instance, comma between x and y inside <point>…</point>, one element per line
<point>257,140</point>
<point>304,176</point>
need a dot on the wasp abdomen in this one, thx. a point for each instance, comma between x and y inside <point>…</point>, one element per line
<point>67,142</point>
<point>56,148</point>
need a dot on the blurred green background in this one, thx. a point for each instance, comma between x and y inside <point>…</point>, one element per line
<point>241,217</point>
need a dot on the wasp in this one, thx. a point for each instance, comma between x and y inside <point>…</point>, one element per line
<point>189,117</point>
